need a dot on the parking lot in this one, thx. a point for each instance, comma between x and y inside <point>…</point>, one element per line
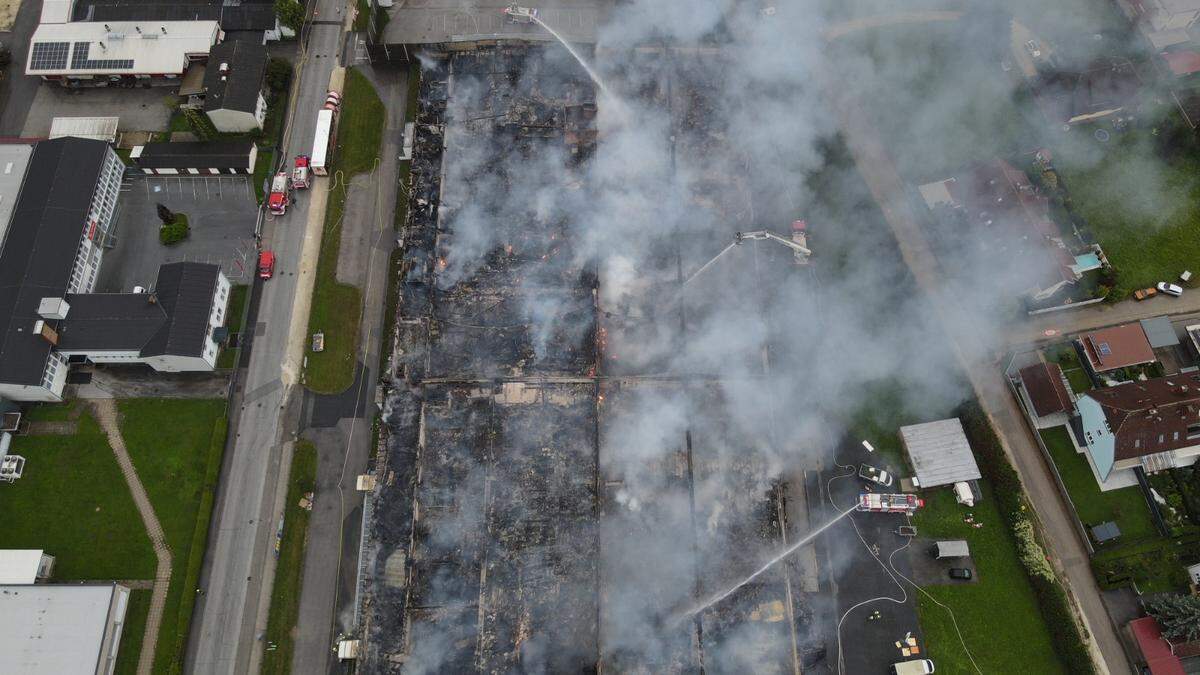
<point>139,109</point>
<point>221,211</point>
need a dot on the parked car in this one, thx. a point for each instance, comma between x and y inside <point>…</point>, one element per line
<point>266,265</point>
<point>877,476</point>
<point>1143,293</point>
<point>960,573</point>
<point>1169,289</point>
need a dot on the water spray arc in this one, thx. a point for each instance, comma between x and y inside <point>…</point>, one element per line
<point>578,57</point>
<point>717,597</point>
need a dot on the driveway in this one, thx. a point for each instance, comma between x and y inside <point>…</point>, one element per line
<point>221,210</point>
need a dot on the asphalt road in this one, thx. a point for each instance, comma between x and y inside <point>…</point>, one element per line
<point>17,90</point>
<point>240,559</point>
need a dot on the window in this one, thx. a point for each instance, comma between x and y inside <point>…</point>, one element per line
<point>1193,431</point>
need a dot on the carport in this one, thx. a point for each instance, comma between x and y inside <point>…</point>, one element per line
<point>939,452</point>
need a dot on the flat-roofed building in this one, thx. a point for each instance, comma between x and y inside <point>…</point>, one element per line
<point>61,629</point>
<point>87,53</point>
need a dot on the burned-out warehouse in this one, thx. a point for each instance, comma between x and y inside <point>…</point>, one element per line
<point>563,473</point>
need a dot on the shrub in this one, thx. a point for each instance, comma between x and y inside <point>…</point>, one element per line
<point>1032,555</point>
<point>291,13</point>
<point>175,232</point>
<point>279,74</point>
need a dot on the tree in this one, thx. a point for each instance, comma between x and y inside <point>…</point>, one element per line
<point>1177,615</point>
<point>290,13</point>
<point>279,74</point>
<point>165,215</point>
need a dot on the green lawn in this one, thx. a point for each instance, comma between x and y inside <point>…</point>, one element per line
<point>73,503</point>
<point>49,412</point>
<point>998,615</point>
<point>285,592</point>
<point>238,296</point>
<point>176,446</point>
<point>1143,209</point>
<point>1067,359</point>
<point>337,307</point>
<point>264,165</point>
<point>1126,506</point>
<point>133,631</point>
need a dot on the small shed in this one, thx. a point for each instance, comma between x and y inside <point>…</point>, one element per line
<point>939,452</point>
<point>1160,332</point>
<point>96,128</point>
<point>952,548</point>
<point>1106,531</point>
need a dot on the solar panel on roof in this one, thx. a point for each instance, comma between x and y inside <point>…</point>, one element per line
<point>49,55</point>
<point>80,60</point>
<point>1105,350</point>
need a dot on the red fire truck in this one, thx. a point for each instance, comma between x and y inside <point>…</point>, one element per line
<point>280,194</point>
<point>300,173</point>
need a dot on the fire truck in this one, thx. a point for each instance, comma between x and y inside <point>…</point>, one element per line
<point>800,237</point>
<point>300,173</point>
<point>884,503</point>
<point>280,194</point>
<point>518,14</point>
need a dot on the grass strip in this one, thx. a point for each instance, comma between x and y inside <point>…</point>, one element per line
<point>133,631</point>
<point>179,470</point>
<point>289,569</point>
<point>337,307</point>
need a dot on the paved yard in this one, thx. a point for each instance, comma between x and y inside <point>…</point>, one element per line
<point>139,109</point>
<point>221,210</point>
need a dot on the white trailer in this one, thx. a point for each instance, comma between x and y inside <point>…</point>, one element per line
<point>320,157</point>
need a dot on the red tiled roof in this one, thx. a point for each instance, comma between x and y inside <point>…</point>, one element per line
<point>1044,384</point>
<point>1183,62</point>
<point>1155,648</point>
<point>1151,416</point>
<point>1117,347</point>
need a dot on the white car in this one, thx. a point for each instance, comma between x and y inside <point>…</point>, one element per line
<point>1169,289</point>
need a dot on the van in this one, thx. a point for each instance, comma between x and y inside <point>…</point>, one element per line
<point>918,667</point>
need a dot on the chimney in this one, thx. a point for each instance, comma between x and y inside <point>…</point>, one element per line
<point>138,29</point>
<point>103,47</point>
<point>42,328</point>
<point>152,298</point>
<point>163,29</point>
<point>224,68</point>
<point>107,29</point>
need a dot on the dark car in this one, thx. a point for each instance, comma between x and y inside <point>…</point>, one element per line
<point>960,573</point>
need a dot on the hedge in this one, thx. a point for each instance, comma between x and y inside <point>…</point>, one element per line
<point>187,602</point>
<point>1065,634</point>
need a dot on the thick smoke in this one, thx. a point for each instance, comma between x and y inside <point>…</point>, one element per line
<point>728,121</point>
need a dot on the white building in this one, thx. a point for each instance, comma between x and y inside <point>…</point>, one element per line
<point>53,245</point>
<point>1163,22</point>
<point>24,566</point>
<point>61,629</point>
<point>96,53</point>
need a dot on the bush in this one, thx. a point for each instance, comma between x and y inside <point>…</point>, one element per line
<point>175,232</point>
<point>1056,608</point>
<point>279,75</point>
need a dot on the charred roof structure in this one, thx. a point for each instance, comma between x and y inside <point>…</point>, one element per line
<point>523,519</point>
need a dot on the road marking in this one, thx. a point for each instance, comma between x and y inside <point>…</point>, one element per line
<point>261,391</point>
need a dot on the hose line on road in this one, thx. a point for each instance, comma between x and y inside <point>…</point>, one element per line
<point>890,568</point>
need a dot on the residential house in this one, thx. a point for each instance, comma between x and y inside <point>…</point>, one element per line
<point>1153,424</point>
<point>1163,22</point>
<point>233,86</point>
<point>1103,88</point>
<point>1044,392</point>
<point>1117,347</point>
<point>994,206</point>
